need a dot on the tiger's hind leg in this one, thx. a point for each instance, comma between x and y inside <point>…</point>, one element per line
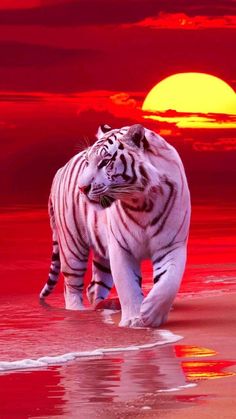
<point>102,282</point>
<point>168,272</point>
<point>73,269</point>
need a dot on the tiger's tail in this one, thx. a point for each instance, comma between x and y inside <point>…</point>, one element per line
<point>55,266</point>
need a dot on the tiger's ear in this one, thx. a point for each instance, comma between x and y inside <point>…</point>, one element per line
<point>102,130</point>
<point>135,135</point>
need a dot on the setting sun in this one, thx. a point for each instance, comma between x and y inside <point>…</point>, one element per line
<point>192,93</point>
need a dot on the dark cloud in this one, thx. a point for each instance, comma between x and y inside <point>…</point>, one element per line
<point>5,97</point>
<point>137,63</point>
<point>26,67</point>
<point>82,12</point>
<point>15,54</point>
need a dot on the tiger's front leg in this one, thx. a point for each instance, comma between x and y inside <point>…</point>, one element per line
<point>168,272</point>
<point>127,279</point>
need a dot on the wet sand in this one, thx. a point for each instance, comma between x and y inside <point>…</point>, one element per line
<point>206,322</point>
<point>187,369</point>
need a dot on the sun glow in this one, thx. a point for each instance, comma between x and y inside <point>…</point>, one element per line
<point>205,99</point>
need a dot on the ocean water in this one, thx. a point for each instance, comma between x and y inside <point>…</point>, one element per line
<point>58,363</point>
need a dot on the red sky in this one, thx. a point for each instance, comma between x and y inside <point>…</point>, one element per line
<point>67,46</point>
<point>67,66</point>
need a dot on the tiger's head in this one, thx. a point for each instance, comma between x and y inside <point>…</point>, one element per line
<point>115,166</point>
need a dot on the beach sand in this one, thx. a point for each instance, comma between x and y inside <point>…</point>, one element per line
<point>206,322</point>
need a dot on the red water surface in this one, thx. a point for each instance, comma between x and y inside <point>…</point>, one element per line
<point>89,386</point>
<point>25,250</point>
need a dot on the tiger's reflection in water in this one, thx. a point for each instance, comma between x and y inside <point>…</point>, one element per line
<point>92,384</point>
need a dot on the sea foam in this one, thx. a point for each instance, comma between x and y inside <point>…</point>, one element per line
<point>165,337</point>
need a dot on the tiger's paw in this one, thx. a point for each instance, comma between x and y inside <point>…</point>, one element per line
<point>154,312</point>
<point>73,302</point>
<point>107,304</point>
<point>131,322</point>
<point>75,307</point>
<point>149,321</point>
<point>151,317</point>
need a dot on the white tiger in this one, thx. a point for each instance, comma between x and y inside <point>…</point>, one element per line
<point>127,198</point>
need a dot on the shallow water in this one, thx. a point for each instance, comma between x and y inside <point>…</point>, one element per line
<point>82,361</point>
<point>30,331</point>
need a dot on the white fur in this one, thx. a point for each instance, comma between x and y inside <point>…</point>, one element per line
<point>125,243</point>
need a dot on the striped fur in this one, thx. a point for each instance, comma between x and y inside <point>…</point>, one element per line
<point>127,198</point>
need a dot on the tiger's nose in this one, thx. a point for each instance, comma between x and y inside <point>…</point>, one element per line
<point>85,189</point>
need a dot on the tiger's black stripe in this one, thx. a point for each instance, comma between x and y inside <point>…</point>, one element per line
<point>122,247</point>
<point>50,281</point>
<point>76,287</point>
<point>101,267</point>
<point>55,257</point>
<point>53,271</point>
<point>79,237</point>
<point>100,283</point>
<point>65,259</point>
<point>146,207</point>
<point>97,238</point>
<point>134,178</point>
<point>159,216</point>
<point>124,206</point>
<point>76,272</point>
<point>125,224</point>
<point>176,234</point>
<point>158,277</point>
<point>145,177</point>
<point>161,226</point>
<point>160,258</point>
<point>64,228</point>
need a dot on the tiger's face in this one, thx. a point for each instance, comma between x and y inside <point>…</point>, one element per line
<point>114,167</point>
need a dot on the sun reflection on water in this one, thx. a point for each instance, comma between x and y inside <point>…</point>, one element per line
<point>205,370</point>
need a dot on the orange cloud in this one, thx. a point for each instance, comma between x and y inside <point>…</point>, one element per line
<point>183,21</point>
<point>124,108</point>
<point>193,120</point>
<point>127,105</point>
<point>123,99</point>
<point>120,104</point>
